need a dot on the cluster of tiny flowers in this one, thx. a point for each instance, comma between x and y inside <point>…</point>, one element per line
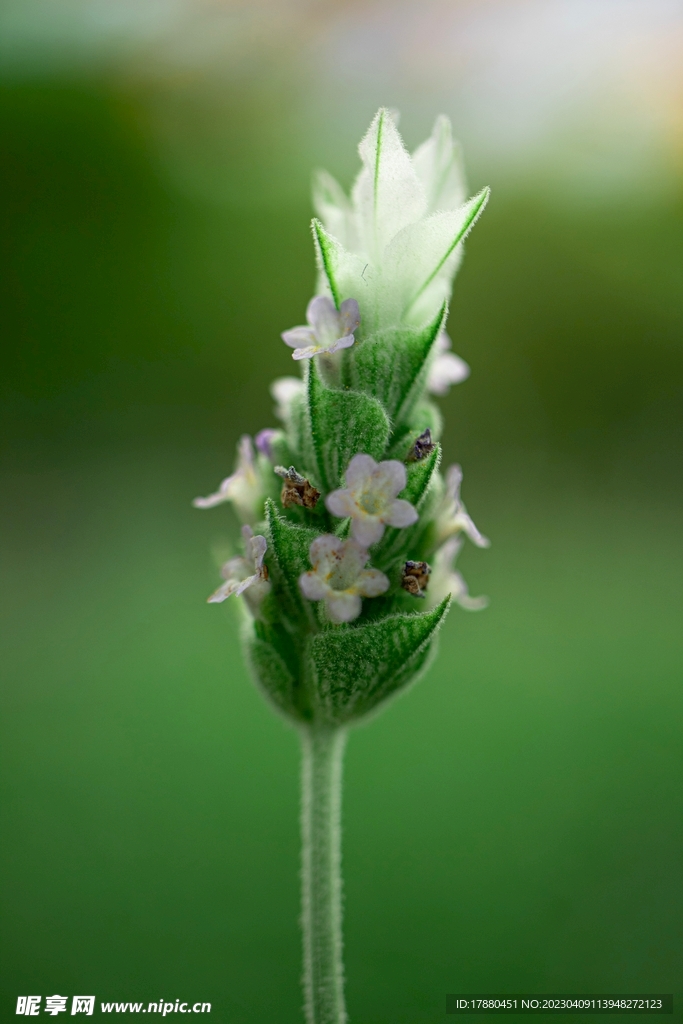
<point>339,575</point>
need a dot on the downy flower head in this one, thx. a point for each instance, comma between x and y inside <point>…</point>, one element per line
<point>445,579</point>
<point>397,242</point>
<point>453,517</point>
<point>248,575</point>
<point>339,577</point>
<point>369,498</point>
<point>358,438</point>
<point>243,487</point>
<point>329,329</point>
<point>447,368</point>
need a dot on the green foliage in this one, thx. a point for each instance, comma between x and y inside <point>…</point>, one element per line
<point>392,364</point>
<point>271,672</point>
<point>341,424</point>
<point>342,270</point>
<point>355,669</point>
<point>287,558</point>
<point>420,475</point>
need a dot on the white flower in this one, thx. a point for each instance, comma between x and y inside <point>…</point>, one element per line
<point>446,580</point>
<point>329,329</point>
<point>447,368</point>
<point>453,517</point>
<point>369,498</point>
<point>284,390</point>
<point>245,575</point>
<point>243,487</point>
<point>339,577</point>
<point>397,243</point>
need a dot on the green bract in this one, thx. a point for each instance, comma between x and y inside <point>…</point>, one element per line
<point>344,611</point>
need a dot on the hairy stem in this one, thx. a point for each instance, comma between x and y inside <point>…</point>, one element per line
<point>321,915</point>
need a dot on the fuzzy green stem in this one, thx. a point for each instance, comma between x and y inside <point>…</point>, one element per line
<point>321,913</point>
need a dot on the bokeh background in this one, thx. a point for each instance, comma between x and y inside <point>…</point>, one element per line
<point>514,823</point>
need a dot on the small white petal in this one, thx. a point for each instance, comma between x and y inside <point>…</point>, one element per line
<point>248,582</point>
<point>449,552</point>
<point>446,370</point>
<point>389,478</point>
<point>245,453</point>
<point>326,547</point>
<point>312,586</point>
<point>401,513</point>
<point>349,316</point>
<point>341,503</point>
<point>460,594</point>
<point>465,523</point>
<point>298,336</point>
<point>307,353</point>
<point>345,342</point>
<point>257,549</point>
<point>372,582</point>
<point>221,495</point>
<point>343,606</point>
<point>223,592</point>
<point>453,481</point>
<point>359,470</point>
<point>323,317</point>
<point>367,531</point>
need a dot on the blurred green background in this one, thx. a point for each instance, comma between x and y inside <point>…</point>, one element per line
<point>514,823</point>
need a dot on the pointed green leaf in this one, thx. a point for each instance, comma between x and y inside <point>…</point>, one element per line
<point>287,558</point>
<point>420,475</point>
<point>356,669</point>
<point>387,193</point>
<point>271,672</point>
<point>342,423</point>
<point>343,270</point>
<point>393,364</point>
<point>438,164</point>
<point>429,249</point>
<point>424,415</point>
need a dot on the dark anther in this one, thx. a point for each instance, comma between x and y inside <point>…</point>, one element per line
<point>422,446</point>
<point>415,578</point>
<point>296,489</point>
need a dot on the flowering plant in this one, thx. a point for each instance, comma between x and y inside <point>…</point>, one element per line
<point>349,574</point>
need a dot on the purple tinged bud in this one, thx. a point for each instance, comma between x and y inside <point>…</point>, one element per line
<point>264,440</point>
